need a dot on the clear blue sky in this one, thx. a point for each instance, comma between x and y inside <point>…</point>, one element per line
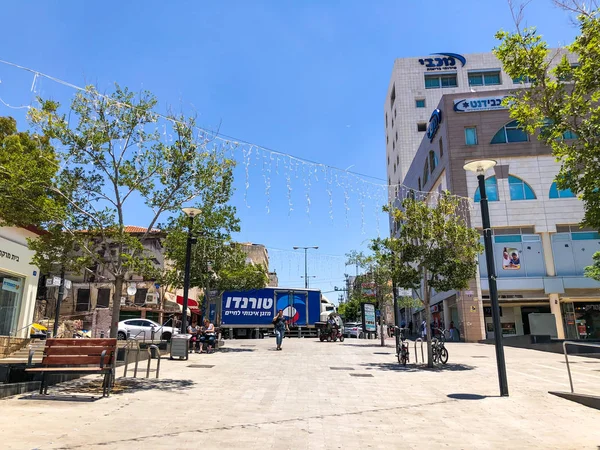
<point>306,78</point>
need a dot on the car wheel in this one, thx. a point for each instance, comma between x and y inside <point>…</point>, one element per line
<point>166,337</point>
<point>121,336</point>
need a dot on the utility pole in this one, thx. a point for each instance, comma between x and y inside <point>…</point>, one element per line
<point>305,263</point>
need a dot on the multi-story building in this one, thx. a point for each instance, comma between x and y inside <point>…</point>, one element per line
<point>416,87</point>
<point>540,250</point>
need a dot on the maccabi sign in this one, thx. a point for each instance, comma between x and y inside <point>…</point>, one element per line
<point>434,124</point>
<point>446,61</point>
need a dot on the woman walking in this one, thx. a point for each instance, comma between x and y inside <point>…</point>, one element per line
<point>280,327</point>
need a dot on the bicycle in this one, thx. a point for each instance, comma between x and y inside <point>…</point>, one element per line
<point>440,352</point>
<point>402,351</point>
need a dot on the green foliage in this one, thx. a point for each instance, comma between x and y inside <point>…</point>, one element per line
<point>28,165</point>
<point>593,271</point>
<point>435,249</point>
<point>115,156</point>
<point>563,101</point>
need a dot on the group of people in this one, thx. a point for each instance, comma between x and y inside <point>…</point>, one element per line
<point>202,336</point>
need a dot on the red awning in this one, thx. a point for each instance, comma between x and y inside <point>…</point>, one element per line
<point>192,304</point>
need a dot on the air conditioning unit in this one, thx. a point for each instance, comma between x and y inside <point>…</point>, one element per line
<point>151,299</point>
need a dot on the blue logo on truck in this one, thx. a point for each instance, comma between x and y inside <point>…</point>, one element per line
<point>294,310</point>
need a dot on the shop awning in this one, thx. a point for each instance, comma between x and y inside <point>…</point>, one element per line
<point>192,304</point>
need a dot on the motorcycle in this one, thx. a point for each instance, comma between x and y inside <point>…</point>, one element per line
<point>332,330</point>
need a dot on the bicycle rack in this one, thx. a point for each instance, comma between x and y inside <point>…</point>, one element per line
<point>128,346</point>
<point>422,352</point>
<point>157,352</point>
<point>581,344</point>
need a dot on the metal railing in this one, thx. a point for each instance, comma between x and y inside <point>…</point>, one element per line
<point>14,333</point>
<point>422,351</point>
<point>581,344</point>
<point>128,347</point>
<point>157,353</point>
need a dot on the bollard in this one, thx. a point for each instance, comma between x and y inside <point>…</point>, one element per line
<point>299,332</point>
<point>231,333</point>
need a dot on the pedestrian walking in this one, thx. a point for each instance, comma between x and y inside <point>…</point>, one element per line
<point>451,330</point>
<point>423,329</point>
<point>281,326</point>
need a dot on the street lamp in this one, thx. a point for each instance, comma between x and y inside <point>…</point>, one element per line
<point>191,213</point>
<point>480,167</point>
<point>305,263</point>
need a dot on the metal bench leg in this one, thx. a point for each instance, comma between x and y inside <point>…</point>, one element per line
<point>42,383</point>
<point>46,386</point>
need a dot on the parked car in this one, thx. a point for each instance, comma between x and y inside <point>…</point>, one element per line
<point>353,329</point>
<point>145,329</point>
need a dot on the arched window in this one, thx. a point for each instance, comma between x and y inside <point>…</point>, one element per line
<point>510,133</point>
<point>519,189</point>
<point>433,161</point>
<point>560,193</point>
<point>425,172</point>
<point>491,189</point>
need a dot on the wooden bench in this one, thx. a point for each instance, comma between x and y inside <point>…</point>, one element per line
<point>77,356</point>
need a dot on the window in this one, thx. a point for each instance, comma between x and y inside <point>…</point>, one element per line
<point>398,159</point>
<point>392,123</point>
<point>491,189</point>
<point>387,139</point>
<point>471,136</point>
<point>396,136</point>
<point>584,236</point>
<point>440,81</point>
<point>569,135</point>
<point>433,161</point>
<point>394,167</point>
<point>393,97</point>
<point>560,193</point>
<point>425,172</point>
<point>394,113</point>
<point>506,238</point>
<point>441,148</point>
<point>83,300</point>
<point>420,103</point>
<point>421,127</point>
<point>140,296</point>
<point>510,133</point>
<point>393,145</point>
<point>523,79</point>
<point>419,184</point>
<point>103,298</point>
<point>519,189</point>
<point>484,78</point>
<point>388,160</point>
<point>386,120</point>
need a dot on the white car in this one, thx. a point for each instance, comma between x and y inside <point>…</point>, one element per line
<point>353,329</point>
<point>145,329</point>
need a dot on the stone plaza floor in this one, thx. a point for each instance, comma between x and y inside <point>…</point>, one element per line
<point>314,395</point>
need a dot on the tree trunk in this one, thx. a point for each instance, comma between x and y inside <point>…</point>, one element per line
<point>116,308</point>
<point>426,300</point>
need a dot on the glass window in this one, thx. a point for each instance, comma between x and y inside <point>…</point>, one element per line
<point>510,133</point>
<point>449,81</point>
<point>491,189</point>
<point>524,79</point>
<point>433,161</point>
<point>502,239</point>
<point>425,172</point>
<point>432,82</point>
<point>441,148</point>
<point>421,127</point>
<point>420,103</point>
<point>560,193</point>
<point>569,135</point>
<point>484,78</point>
<point>471,136</point>
<point>519,189</point>
<point>419,184</point>
<point>586,235</point>
<point>437,81</point>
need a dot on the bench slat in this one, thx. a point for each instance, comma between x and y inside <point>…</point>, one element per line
<point>105,342</point>
<point>67,369</point>
<point>73,351</point>
<point>74,360</point>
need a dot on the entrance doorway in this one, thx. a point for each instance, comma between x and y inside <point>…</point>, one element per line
<point>526,310</point>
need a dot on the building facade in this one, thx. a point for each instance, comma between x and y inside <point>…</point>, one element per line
<point>540,250</point>
<point>18,281</point>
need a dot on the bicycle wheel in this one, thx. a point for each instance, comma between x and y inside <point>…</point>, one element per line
<point>436,355</point>
<point>399,354</point>
<point>402,359</point>
<point>443,355</point>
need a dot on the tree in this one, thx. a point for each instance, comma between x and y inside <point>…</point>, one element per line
<point>435,249</point>
<point>112,162</point>
<point>562,106</point>
<point>28,165</point>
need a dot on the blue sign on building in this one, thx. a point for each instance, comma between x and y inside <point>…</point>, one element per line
<point>445,61</point>
<point>434,124</point>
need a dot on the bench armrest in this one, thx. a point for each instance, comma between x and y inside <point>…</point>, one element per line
<point>102,355</point>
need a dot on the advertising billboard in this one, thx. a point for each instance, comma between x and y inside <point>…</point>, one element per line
<point>368,317</point>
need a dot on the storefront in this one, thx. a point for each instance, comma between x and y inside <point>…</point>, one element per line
<point>18,282</point>
<point>510,321</point>
<point>581,320</point>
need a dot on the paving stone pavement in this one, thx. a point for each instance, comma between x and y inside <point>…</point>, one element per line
<point>256,397</point>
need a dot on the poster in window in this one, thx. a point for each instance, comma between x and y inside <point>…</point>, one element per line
<point>511,259</point>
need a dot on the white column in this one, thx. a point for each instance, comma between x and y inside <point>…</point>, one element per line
<point>555,309</point>
<point>447,317</point>
<point>548,259</point>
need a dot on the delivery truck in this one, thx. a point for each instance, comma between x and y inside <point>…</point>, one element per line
<point>250,314</point>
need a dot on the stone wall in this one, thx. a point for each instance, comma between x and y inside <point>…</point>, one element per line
<point>9,345</point>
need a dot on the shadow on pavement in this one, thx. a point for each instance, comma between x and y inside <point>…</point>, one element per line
<point>367,345</point>
<point>235,350</point>
<point>463,396</point>
<point>122,386</point>
<point>394,366</point>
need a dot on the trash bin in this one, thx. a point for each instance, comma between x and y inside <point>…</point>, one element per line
<point>180,346</point>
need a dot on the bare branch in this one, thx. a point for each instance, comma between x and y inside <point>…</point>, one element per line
<point>587,8</point>
<point>518,13</point>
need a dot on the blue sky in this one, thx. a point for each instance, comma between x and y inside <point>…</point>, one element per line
<point>306,78</point>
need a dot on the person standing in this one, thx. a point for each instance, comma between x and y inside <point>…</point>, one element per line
<point>423,329</point>
<point>280,324</point>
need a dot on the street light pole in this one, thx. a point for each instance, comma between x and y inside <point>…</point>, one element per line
<point>191,213</point>
<point>480,167</point>
<point>305,263</point>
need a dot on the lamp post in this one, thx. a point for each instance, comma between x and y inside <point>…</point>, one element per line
<point>191,213</point>
<point>305,263</point>
<point>480,167</point>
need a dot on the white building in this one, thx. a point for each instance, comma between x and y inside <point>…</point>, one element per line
<point>18,281</point>
<point>415,89</point>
